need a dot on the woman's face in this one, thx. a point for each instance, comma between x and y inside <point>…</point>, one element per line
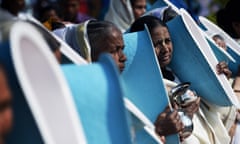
<point>139,8</point>
<point>162,44</point>
<point>71,8</point>
<point>6,114</point>
<point>114,45</point>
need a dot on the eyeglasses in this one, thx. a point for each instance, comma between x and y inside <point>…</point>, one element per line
<point>165,41</point>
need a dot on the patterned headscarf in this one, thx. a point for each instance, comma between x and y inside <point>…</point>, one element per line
<point>76,37</point>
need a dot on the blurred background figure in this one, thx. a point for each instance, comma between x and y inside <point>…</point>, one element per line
<point>123,13</point>
<point>98,9</point>
<point>13,6</point>
<point>51,24</point>
<point>48,12</point>
<point>138,7</point>
<point>70,11</point>
<point>219,40</point>
<point>229,19</point>
<point>6,114</point>
<point>43,9</point>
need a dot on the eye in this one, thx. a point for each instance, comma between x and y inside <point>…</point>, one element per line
<point>157,43</point>
<point>113,51</point>
<point>123,47</point>
<point>167,40</point>
<point>5,105</point>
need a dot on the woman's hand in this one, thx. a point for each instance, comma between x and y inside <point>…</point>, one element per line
<point>168,122</point>
<point>192,107</point>
<point>222,68</point>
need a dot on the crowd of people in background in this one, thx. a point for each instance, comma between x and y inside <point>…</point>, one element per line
<point>91,31</point>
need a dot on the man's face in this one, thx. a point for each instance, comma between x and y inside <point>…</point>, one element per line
<point>71,8</point>
<point>5,106</point>
<point>139,8</point>
<point>163,45</point>
<point>20,4</point>
<point>114,45</point>
<point>51,14</point>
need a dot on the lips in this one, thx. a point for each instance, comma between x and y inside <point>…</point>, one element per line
<point>165,57</point>
<point>121,66</point>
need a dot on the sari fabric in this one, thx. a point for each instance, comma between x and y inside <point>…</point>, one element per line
<point>120,13</point>
<point>76,37</point>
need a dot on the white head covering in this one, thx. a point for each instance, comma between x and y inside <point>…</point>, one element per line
<point>76,37</point>
<point>120,13</point>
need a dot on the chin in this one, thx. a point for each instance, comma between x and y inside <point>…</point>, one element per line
<point>121,70</point>
<point>165,63</point>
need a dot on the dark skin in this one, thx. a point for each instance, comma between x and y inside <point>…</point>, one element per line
<point>168,122</point>
<point>114,45</point>
<point>51,14</point>
<point>162,44</point>
<point>222,68</point>
<point>6,112</point>
<point>71,8</point>
<point>220,42</point>
<point>236,26</point>
<point>58,55</point>
<point>139,8</point>
<point>192,107</point>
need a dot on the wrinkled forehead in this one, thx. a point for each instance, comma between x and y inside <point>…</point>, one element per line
<point>113,33</point>
<point>114,39</point>
<point>117,32</point>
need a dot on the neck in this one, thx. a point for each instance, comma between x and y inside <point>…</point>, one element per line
<point>167,74</point>
<point>163,68</point>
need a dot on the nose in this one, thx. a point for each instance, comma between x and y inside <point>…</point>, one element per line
<point>122,57</point>
<point>164,48</point>
<point>157,51</point>
<point>143,10</point>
